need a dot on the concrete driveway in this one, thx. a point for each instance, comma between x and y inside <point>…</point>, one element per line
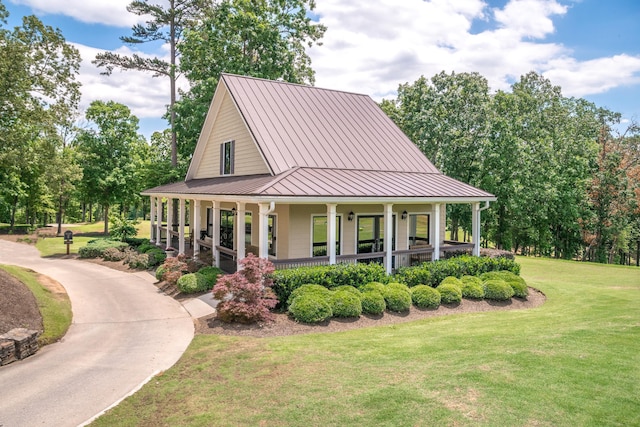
<point>123,332</point>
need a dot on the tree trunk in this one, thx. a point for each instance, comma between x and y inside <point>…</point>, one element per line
<point>84,211</point>
<point>13,213</point>
<point>106,221</point>
<point>59,216</point>
<point>90,211</point>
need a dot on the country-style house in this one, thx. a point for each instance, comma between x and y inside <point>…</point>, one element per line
<point>305,176</point>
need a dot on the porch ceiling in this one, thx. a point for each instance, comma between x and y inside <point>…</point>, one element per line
<point>329,183</point>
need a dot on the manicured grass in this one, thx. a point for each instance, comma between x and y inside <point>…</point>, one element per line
<point>573,361</point>
<point>55,308</point>
<point>54,246</point>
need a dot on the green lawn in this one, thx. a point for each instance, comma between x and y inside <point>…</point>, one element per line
<point>55,308</point>
<point>53,246</point>
<point>573,361</point>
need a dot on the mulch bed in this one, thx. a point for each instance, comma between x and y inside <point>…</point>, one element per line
<point>285,325</point>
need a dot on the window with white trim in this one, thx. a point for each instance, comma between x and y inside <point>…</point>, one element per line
<point>319,246</point>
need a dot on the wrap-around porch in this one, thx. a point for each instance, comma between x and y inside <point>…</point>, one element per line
<point>306,234</point>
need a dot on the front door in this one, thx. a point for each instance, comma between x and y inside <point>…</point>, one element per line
<point>371,235</point>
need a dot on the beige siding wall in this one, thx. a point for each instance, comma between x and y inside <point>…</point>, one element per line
<point>228,126</point>
<point>300,225</point>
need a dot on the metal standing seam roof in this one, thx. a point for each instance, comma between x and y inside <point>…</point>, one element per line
<point>305,126</point>
<point>321,182</point>
<point>324,143</point>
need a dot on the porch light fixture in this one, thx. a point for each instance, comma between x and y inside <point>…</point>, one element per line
<point>233,211</point>
<point>404,215</point>
<point>350,216</point>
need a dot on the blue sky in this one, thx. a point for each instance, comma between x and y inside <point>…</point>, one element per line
<point>591,48</point>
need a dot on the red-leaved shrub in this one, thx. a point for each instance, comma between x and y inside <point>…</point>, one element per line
<point>246,296</point>
<point>174,268</point>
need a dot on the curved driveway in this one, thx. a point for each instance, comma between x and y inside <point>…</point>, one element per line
<point>124,331</point>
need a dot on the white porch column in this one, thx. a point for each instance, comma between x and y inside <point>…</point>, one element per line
<point>475,228</point>
<point>263,225</point>
<point>240,230</point>
<point>215,212</point>
<point>152,217</point>
<point>388,237</point>
<point>436,232</point>
<point>331,232</point>
<point>181,227</point>
<point>159,222</point>
<point>197,219</point>
<point>169,221</point>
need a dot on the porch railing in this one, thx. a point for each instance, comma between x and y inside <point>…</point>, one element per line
<point>401,258</point>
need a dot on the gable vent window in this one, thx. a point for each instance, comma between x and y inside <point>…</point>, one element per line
<point>227,152</point>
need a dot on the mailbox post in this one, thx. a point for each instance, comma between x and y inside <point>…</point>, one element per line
<point>68,239</point>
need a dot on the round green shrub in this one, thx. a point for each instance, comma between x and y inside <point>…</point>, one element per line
<point>449,293</point>
<point>453,280</point>
<point>191,283</point>
<point>401,287</point>
<point>143,248</point>
<point>397,299</point>
<point>211,275</point>
<point>310,308</point>
<point>424,296</point>
<point>373,286</point>
<point>160,272</point>
<point>520,289</point>
<point>345,304</point>
<point>497,290</point>
<point>348,288</point>
<point>309,289</point>
<point>472,287</point>
<point>372,302</point>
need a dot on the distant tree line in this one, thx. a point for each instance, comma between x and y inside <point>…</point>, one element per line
<point>567,182</point>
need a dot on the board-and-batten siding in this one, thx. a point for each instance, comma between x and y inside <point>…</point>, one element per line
<point>229,126</point>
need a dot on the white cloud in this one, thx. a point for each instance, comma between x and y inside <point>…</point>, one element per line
<point>111,12</point>
<point>595,76</point>
<point>372,47</point>
<point>529,18</point>
<point>146,96</point>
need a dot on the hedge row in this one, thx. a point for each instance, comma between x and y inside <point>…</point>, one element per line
<point>313,303</point>
<point>328,276</point>
<point>432,273</point>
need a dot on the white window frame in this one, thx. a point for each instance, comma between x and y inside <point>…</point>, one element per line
<point>223,151</point>
<point>341,237</point>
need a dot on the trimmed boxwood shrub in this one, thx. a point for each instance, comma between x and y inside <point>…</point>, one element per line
<point>453,280</point>
<point>397,299</point>
<point>516,282</point>
<point>211,275</point>
<point>160,272</point>
<point>414,276</point>
<point>472,287</point>
<point>345,303</point>
<point>432,273</point>
<point>373,286</point>
<point>497,290</point>
<point>191,283</point>
<point>309,288</point>
<point>400,286</point>
<point>449,293</point>
<point>347,288</point>
<point>310,308</point>
<point>424,296</point>
<point>143,248</point>
<point>372,302</point>
<point>95,248</point>
<point>329,276</point>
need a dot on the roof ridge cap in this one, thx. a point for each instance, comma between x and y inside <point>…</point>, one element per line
<point>370,170</point>
<point>302,85</point>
